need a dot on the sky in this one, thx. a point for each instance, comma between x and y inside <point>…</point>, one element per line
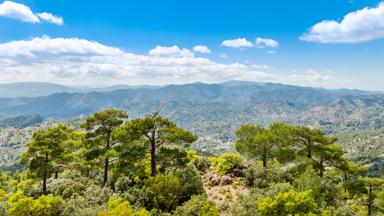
<point>319,43</point>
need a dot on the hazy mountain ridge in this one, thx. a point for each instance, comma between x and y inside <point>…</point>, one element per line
<point>40,89</point>
<point>72,104</point>
<point>215,111</point>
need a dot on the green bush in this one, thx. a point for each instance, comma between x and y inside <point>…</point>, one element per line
<point>197,205</point>
<point>119,207</point>
<point>191,183</point>
<point>288,203</point>
<point>229,161</point>
<point>166,190</point>
<point>140,197</point>
<point>201,163</point>
<point>258,176</point>
<point>79,206</point>
<point>43,206</point>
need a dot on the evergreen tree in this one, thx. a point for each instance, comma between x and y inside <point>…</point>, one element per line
<point>99,143</point>
<point>46,151</point>
<point>158,132</point>
<point>257,142</point>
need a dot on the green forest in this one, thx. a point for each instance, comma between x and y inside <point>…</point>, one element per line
<point>116,165</point>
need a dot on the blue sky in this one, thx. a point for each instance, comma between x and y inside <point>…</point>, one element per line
<point>95,42</point>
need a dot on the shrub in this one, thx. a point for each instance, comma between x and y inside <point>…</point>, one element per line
<point>140,197</point>
<point>288,203</point>
<point>256,176</point>
<point>79,206</point>
<point>201,163</point>
<point>119,207</point>
<point>229,161</point>
<point>191,183</point>
<point>43,206</point>
<point>166,190</point>
<point>197,205</point>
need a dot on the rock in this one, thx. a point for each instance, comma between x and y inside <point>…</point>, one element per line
<point>216,181</point>
<point>226,180</point>
<point>238,173</point>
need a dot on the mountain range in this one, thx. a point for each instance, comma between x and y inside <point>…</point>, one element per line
<point>212,111</point>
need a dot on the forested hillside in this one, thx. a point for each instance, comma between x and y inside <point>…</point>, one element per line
<point>235,148</point>
<point>215,111</point>
<point>211,111</point>
<point>113,164</point>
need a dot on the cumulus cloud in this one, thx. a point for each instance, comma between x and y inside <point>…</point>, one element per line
<point>237,43</point>
<point>356,27</point>
<point>23,13</point>
<point>317,78</point>
<point>51,18</point>
<point>18,11</point>
<point>264,67</point>
<point>201,49</point>
<point>313,76</point>
<point>266,42</point>
<point>77,61</point>
<point>172,51</point>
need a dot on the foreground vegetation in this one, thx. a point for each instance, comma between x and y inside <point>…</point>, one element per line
<point>115,165</point>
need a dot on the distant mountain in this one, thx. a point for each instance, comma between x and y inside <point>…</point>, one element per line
<point>39,89</point>
<point>21,121</point>
<point>31,89</point>
<point>236,95</point>
<point>212,111</point>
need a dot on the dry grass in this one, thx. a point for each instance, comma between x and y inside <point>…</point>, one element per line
<point>223,196</point>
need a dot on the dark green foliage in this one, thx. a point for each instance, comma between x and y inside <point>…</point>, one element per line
<point>289,170</point>
<point>46,151</point>
<point>171,159</point>
<point>99,144</point>
<point>166,190</point>
<point>191,183</point>
<point>201,163</point>
<point>261,143</point>
<point>197,205</point>
<point>157,132</point>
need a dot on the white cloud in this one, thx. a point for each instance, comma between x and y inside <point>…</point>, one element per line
<point>23,13</point>
<point>237,43</point>
<point>36,48</point>
<point>266,42</point>
<point>76,61</point>
<point>51,18</point>
<point>201,49</point>
<point>356,27</point>
<point>313,76</point>
<point>172,51</point>
<point>317,78</point>
<point>263,67</point>
<point>17,11</point>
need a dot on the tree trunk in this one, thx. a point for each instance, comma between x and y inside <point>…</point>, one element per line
<point>106,164</point>
<point>345,180</point>
<point>45,175</point>
<point>321,167</point>
<point>264,160</point>
<point>370,201</point>
<point>45,183</point>
<point>309,150</point>
<point>56,174</point>
<point>153,159</point>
